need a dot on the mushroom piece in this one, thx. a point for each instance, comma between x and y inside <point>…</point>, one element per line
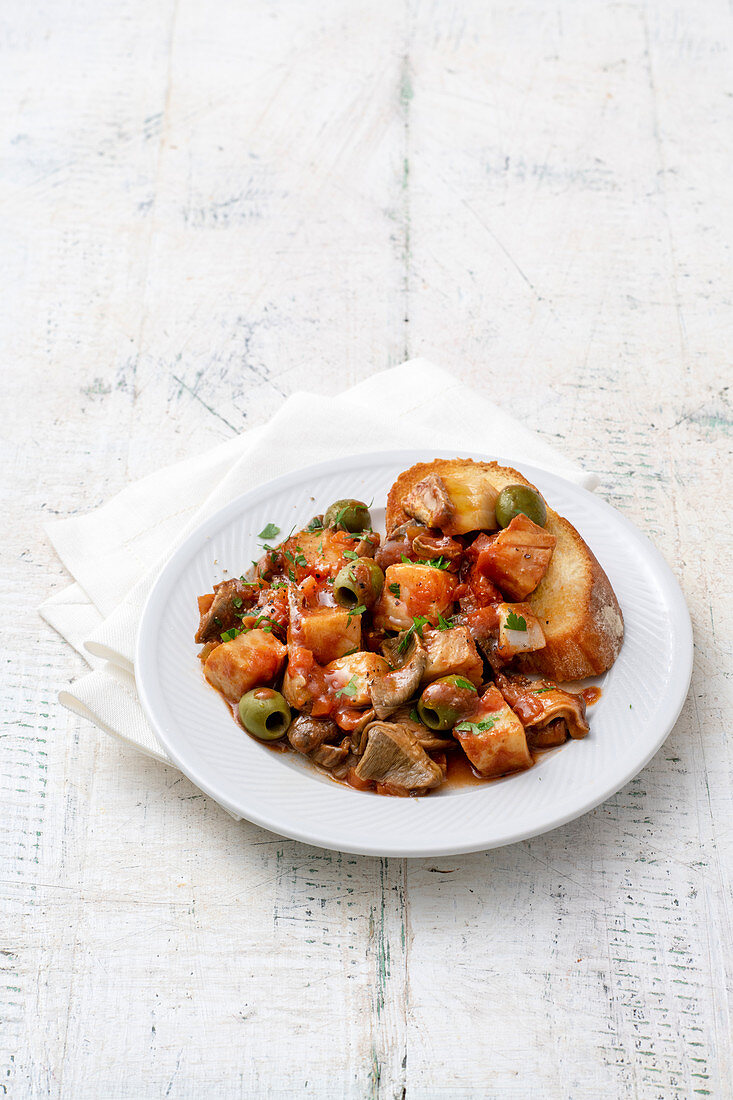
<point>391,689</point>
<point>428,544</point>
<point>307,734</point>
<point>540,703</point>
<point>359,734</point>
<point>430,741</point>
<point>225,610</point>
<point>311,735</point>
<point>330,756</point>
<point>395,757</point>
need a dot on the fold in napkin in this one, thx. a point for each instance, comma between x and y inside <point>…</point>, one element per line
<point>116,552</point>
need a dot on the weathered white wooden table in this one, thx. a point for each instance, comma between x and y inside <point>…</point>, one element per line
<point>205,207</point>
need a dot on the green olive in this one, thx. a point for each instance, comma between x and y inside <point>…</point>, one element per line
<point>351,515</point>
<point>446,702</point>
<point>516,499</point>
<point>264,713</point>
<point>359,582</point>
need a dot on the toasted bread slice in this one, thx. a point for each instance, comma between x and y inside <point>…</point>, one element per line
<point>574,601</point>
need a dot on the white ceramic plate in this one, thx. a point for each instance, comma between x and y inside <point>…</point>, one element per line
<point>642,694</point>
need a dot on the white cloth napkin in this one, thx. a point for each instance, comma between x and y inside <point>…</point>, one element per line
<point>116,552</point>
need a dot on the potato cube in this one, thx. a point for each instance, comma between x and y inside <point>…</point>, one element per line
<point>353,676</point>
<point>329,632</point>
<point>250,659</point>
<point>452,653</point>
<point>519,630</point>
<point>493,738</point>
<point>411,590</point>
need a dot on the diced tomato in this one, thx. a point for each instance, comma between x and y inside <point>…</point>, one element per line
<point>354,781</point>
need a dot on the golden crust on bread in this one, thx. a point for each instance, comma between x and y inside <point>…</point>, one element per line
<point>574,601</point>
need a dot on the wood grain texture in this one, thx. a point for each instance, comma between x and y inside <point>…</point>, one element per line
<point>206,208</point>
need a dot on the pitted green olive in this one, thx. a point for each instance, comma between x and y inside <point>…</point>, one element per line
<point>516,499</point>
<point>359,582</point>
<point>446,702</point>
<point>264,713</point>
<point>351,515</point>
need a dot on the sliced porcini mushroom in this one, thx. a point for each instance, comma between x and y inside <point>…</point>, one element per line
<point>359,732</point>
<point>427,544</point>
<point>430,502</point>
<point>429,740</point>
<point>330,756</point>
<point>539,703</point>
<point>547,737</point>
<point>306,734</point>
<point>224,611</point>
<point>395,757</point>
<point>391,689</point>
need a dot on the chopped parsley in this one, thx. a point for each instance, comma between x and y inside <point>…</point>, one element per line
<point>406,560</point>
<point>350,689</point>
<point>418,622</point>
<point>436,563</point>
<point>351,555</point>
<point>230,635</point>
<point>476,727</point>
<point>264,622</point>
<point>515,622</point>
<point>414,714</point>
<point>395,590</point>
<point>358,610</point>
<point>443,624</point>
<point>269,532</point>
<point>541,691</point>
<point>316,524</point>
<point>278,584</point>
<point>466,684</point>
<point>237,601</point>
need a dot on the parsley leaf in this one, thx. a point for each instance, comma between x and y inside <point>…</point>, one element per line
<point>443,624</point>
<point>237,601</point>
<point>350,689</point>
<point>278,584</point>
<point>351,555</point>
<point>267,623</point>
<point>414,714</point>
<point>465,684</point>
<point>515,622</point>
<point>358,610</point>
<point>406,560</point>
<point>229,635</point>
<point>436,563</point>
<point>418,622</point>
<point>269,532</point>
<point>395,590</point>
<point>476,727</point>
<point>316,524</point>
